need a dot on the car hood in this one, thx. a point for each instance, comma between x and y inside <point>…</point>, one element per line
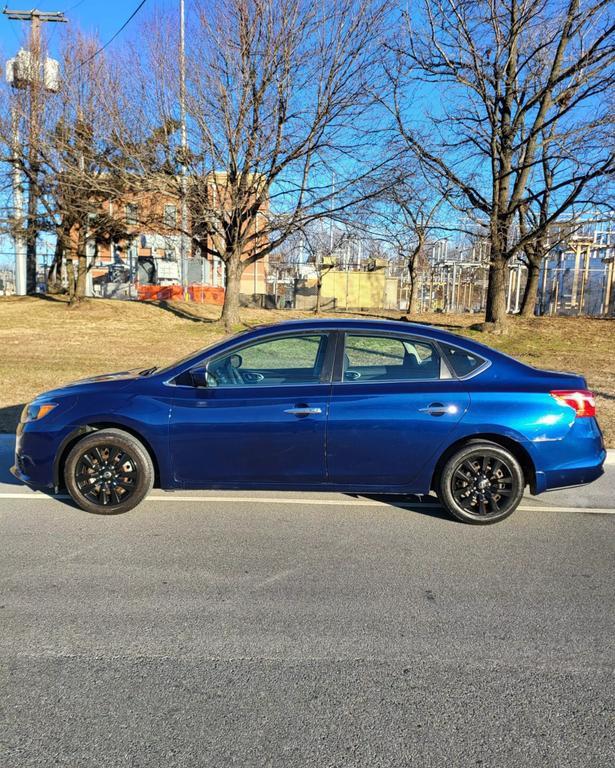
<point>108,381</point>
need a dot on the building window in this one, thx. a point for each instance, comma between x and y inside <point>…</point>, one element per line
<point>132,214</point>
<point>170,216</point>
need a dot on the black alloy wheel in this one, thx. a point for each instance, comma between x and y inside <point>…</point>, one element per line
<point>481,484</point>
<point>106,474</point>
<point>108,471</point>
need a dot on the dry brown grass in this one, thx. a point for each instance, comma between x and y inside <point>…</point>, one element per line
<point>44,344</point>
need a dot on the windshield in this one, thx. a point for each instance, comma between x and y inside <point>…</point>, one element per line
<point>195,355</point>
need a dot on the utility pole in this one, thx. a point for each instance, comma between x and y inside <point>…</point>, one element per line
<point>32,77</point>
<point>18,230</point>
<point>184,147</point>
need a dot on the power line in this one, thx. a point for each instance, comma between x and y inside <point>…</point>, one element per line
<point>51,37</point>
<point>121,29</point>
<point>76,5</point>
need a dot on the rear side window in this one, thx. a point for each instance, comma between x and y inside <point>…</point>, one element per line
<point>389,358</point>
<point>462,362</point>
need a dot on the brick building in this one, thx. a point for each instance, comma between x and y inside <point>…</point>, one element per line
<point>150,256</point>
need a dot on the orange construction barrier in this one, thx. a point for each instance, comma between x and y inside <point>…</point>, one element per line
<point>206,294</point>
<point>148,292</point>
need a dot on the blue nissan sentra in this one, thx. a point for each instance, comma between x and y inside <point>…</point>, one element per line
<point>332,405</point>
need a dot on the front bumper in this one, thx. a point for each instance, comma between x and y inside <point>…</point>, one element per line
<point>36,450</point>
<point>26,479</point>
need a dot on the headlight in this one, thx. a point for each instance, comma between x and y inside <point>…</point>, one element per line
<point>36,411</point>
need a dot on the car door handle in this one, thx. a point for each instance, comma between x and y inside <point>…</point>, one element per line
<point>303,411</point>
<point>439,409</point>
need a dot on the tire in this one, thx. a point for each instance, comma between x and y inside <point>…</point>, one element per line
<point>108,472</point>
<point>480,484</point>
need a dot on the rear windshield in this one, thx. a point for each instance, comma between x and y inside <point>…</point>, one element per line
<point>462,362</point>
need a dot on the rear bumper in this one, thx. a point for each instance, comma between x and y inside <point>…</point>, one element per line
<point>574,458</point>
<point>565,477</point>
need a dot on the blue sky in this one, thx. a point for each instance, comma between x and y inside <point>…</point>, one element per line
<point>102,16</point>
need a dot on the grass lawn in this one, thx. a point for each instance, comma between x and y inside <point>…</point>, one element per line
<point>44,344</point>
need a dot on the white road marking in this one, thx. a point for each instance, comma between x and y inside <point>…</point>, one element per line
<point>351,502</point>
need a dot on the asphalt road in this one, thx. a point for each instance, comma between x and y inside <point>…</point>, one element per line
<point>296,630</point>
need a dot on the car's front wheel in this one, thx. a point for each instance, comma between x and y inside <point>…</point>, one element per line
<point>108,472</point>
<point>481,483</point>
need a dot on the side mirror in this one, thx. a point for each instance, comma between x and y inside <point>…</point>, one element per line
<point>199,377</point>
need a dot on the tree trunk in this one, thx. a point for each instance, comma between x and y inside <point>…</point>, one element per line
<point>318,294</point>
<point>82,269</point>
<point>54,275</point>
<point>230,310</point>
<point>70,276</point>
<point>82,273</point>
<point>413,296</point>
<point>495,310</point>
<point>528,307</point>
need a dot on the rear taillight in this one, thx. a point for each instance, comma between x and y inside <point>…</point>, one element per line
<point>580,400</point>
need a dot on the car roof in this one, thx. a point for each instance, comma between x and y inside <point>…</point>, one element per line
<point>364,324</point>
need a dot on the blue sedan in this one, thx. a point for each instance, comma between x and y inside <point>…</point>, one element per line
<point>335,405</point>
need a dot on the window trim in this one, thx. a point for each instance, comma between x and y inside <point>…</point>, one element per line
<point>326,373</point>
<point>334,358</point>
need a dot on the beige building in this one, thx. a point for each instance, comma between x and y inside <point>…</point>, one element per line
<point>350,289</point>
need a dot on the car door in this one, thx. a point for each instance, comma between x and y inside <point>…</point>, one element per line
<point>394,404</point>
<point>261,418</point>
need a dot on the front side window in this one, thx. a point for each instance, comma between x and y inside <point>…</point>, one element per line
<point>389,358</point>
<point>274,362</point>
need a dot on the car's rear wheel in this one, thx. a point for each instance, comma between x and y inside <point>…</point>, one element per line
<point>108,472</point>
<point>481,483</point>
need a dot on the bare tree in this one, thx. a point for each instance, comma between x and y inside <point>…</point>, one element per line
<point>537,231</point>
<point>324,242</point>
<point>404,215</point>
<point>280,127</point>
<point>77,166</point>
<point>509,81</point>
